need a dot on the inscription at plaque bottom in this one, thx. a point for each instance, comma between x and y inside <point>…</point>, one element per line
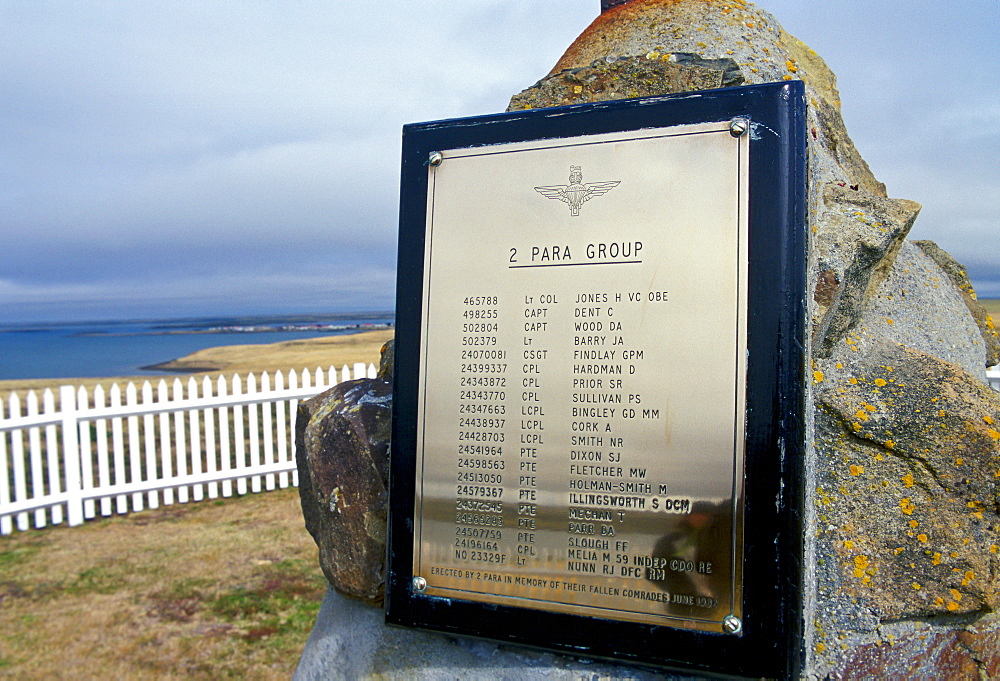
<point>580,433</point>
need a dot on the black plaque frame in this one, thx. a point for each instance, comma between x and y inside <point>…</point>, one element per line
<point>769,644</point>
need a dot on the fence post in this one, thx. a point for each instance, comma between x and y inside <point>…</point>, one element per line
<point>71,455</point>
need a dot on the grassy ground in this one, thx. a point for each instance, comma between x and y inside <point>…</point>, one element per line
<point>992,306</point>
<point>215,589</point>
<point>207,590</point>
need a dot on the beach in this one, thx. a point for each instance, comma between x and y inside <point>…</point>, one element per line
<point>309,354</point>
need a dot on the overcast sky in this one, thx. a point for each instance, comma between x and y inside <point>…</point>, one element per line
<point>191,158</point>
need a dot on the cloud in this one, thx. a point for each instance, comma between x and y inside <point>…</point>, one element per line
<point>164,155</point>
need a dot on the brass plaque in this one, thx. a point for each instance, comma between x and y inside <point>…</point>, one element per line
<point>580,441</point>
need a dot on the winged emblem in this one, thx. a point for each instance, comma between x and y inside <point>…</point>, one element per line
<point>576,192</point>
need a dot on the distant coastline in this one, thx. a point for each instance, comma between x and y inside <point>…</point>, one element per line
<point>252,328</point>
<point>109,348</point>
<point>324,351</point>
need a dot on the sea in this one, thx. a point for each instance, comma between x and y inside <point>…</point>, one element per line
<point>133,348</point>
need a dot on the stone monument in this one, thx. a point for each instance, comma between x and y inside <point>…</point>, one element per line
<point>903,434</point>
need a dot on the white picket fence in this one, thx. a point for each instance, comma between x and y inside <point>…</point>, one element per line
<point>119,450</point>
<point>102,454</point>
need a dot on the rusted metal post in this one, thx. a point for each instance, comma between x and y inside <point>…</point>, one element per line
<point>608,4</point>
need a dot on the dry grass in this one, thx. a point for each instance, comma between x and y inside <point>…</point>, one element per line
<point>216,589</point>
<point>207,590</point>
<point>992,306</point>
<point>228,359</point>
<point>312,352</point>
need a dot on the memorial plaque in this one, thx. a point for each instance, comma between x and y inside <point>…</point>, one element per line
<point>580,423</point>
<point>582,416</point>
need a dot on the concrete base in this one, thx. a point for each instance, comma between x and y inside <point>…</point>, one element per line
<point>350,641</point>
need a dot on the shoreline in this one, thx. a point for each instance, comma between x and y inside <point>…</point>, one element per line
<point>326,351</point>
<point>246,330</point>
<point>163,366</point>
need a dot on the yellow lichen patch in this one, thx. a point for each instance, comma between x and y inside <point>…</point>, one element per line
<point>820,648</point>
<point>856,470</point>
<point>856,426</point>
<point>889,321</point>
<point>848,544</point>
<point>577,89</point>
<point>880,382</point>
<point>914,523</point>
<point>852,381</point>
<point>860,565</point>
<point>908,480</point>
<point>889,444</point>
<point>922,538</point>
<point>861,414</point>
<point>956,594</point>
<point>897,551</point>
<point>994,548</point>
<point>790,65</point>
<point>869,407</point>
<point>988,419</point>
<point>818,376</point>
<point>907,506</point>
<point>968,577</point>
<point>938,601</point>
<point>993,434</point>
<point>952,606</point>
<point>916,587</point>
<point>936,559</point>
<point>788,77</point>
<point>959,461</point>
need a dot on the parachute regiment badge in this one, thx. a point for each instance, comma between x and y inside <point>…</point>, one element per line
<point>576,192</point>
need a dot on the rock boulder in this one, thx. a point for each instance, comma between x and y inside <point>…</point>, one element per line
<point>903,435</point>
<point>342,451</point>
